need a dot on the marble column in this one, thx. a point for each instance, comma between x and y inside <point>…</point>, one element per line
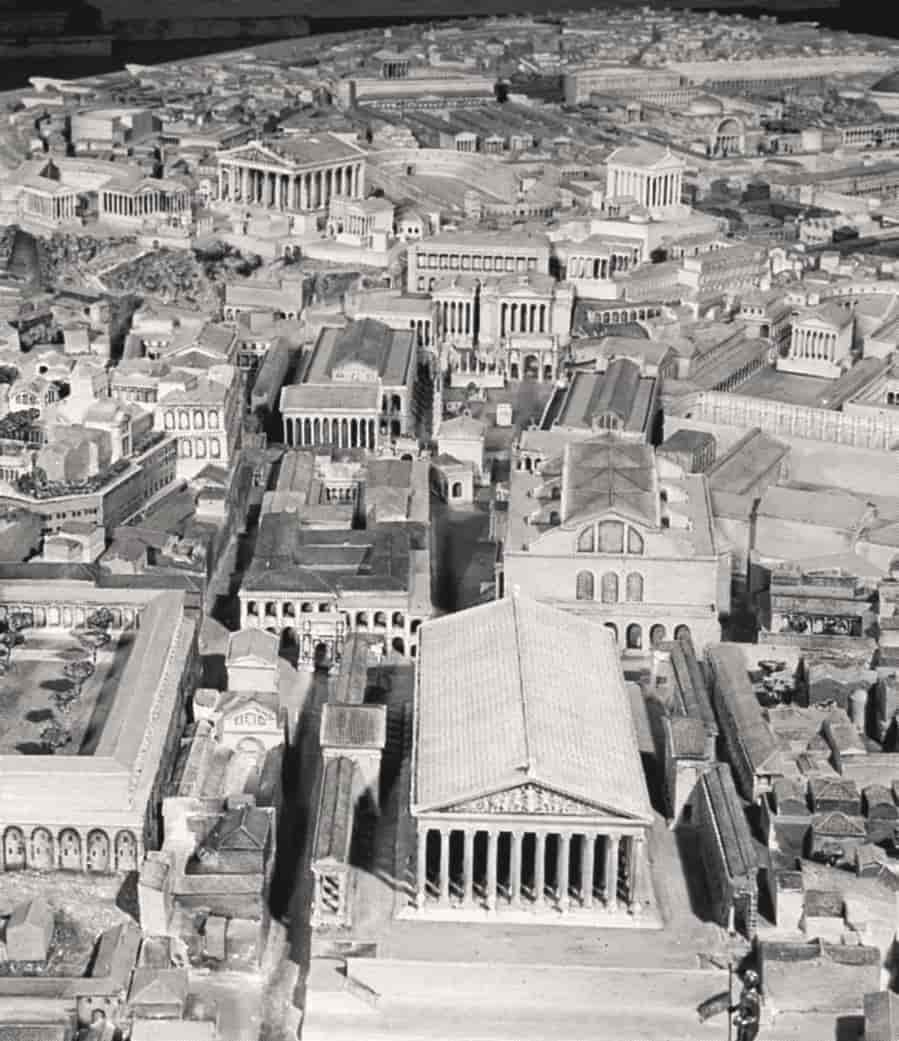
<point>587,864</point>
<point>539,867</point>
<point>468,867</point>
<point>421,870</point>
<point>563,863</point>
<point>515,875</point>
<point>492,850</point>
<point>444,897</point>
<point>611,879</point>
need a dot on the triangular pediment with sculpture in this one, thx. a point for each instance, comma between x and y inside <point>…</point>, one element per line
<point>257,154</point>
<point>532,798</point>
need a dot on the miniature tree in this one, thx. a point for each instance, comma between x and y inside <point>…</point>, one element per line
<point>100,619</point>
<point>92,640</point>
<point>77,672</point>
<point>54,736</point>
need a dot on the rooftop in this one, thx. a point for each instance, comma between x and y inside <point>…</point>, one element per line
<point>515,693</point>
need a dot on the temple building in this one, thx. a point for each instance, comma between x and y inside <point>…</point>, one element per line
<point>528,791</point>
<point>599,531</point>
<point>296,174</point>
<point>648,174</point>
<point>821,343</point>
<point>357,389</point>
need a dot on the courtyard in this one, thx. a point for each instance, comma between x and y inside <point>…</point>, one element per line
<point>32,689</point>
<point>786,387</point>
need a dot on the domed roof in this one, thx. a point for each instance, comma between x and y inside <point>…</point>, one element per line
<point>888,85</point>
<point>704,105</point>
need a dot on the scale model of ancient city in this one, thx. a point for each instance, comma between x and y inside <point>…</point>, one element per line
<point>449,537</point>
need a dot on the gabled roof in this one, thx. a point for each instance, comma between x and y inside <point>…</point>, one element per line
<point>513,693</point>
<point>158,986</point>
<point>245,828</point>
<point>253,643</point>
<point>608,474</point>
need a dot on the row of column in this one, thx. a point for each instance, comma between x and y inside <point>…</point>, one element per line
<point>144,205</point>
<point>422,329</point>
<point>308,191</point>
<point>648,189</point>
<point>814,343</point>
<point>457,317</point>
<point>600,267</point>
<point>522,318</point>
<point>56,208</point>
<point>616,881</point>
<point>343,432</point>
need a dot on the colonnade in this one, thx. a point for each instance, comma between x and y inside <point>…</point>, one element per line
<point>523,318</point>
<point>276,190</point>
<point>477,866</point>
<point>457,317</point>
<point>742,374</point>
<point>649,189</point>
<point>340,431</point>
<point>814,343</point>
<point>55,207</point>
<point>421,327</point>
<point>145,204</point>
<point>601,266</point>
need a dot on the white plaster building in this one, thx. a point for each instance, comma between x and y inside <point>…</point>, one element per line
<point>821,343</point>
<point>298,174</point>
<point>648,174</point>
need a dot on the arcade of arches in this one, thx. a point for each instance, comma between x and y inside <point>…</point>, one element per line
<point>318,629</point>
<point>94,850</point>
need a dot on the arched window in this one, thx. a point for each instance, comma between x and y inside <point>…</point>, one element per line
<point>586,541</point>
<point>610,588</point>
<point>213,419</point>
<point>170,420</point>
<point>199,419</point>
<point>585,585</point>
<point>611,537</point>
<point>634,541</point>
<point>634,637</point>
<point>634,587</point>
<point>183,421</point>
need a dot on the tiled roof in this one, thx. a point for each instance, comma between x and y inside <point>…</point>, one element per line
<point>253,643</point>
<point>514,692</point>
<point>607,473</point>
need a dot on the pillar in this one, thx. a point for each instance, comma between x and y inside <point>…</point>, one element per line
<point>444,867</point>
<point>515,877</point>
<point>492,849</point>
<point>635,857</point>
<point>421,869</point>
<point>539,867</point>
<point>587,862</point>
<point>563,871</point>
<point>468,868</point>
<point>611,879</point>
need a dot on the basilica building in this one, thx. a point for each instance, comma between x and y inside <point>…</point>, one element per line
<point>357,389</point>
<point>603,530</point>
<point>528,791</point>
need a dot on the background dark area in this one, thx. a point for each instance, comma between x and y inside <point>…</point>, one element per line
<point>879,17</point>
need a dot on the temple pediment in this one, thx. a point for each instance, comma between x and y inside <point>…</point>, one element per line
<point>532,799</point>
<point>254,154</point>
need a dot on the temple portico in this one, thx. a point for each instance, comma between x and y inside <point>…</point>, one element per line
<point>529,866</point>
<point>820,344</point>
<point>288,177</point>
<point>650,175</point>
